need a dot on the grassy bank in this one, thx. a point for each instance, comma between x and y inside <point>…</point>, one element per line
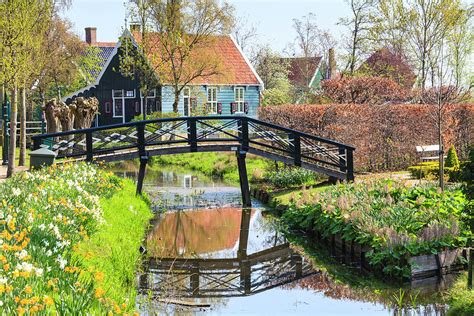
<point>222,165</point>
<point>111,256</point>
<point>69,240</point>
<point>461,300</point>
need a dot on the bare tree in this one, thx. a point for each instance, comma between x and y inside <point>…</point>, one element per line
<point>358,25</point>
<point>244,32</point>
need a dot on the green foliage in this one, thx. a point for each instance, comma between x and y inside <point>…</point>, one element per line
<point>44,216</point>
<point>452,160</point>
<point>290,177</point>
<point>111,256</point>
<point>430,170</point>
<point>395,221</point>
<point>216,164</point>
<point>461,300</point>
<point>279,94</point>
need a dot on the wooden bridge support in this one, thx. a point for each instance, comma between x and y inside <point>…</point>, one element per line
<point>141,173</point>
<point>244,182</point>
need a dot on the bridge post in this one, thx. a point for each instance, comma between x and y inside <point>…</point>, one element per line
<point>143,157</point>
<point>350,164</point>
<point>244,182</point>
<point>192,134</point>
<point>89,147</point>
<point>243,126</point>
<point>296,141</point>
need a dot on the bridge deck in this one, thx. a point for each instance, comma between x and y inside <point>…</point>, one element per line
<point>202,134</point>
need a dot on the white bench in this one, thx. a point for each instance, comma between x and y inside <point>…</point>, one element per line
<point>428,149</point>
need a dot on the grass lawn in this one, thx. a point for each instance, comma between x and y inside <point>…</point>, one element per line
<point>17,155</point>
<point>216,164</point>
<point>284,197</point>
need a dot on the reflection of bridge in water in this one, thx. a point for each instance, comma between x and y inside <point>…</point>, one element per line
<point>244,274</point>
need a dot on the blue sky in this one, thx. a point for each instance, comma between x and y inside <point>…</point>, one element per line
<point>273,18</point>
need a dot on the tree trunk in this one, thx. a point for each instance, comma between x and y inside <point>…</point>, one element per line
<point>441,152</point>
<point>22,158</point>
<point>12,147</point>
<point>176,101</point>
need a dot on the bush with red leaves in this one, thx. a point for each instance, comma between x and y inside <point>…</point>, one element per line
<point>385,136</point>
<point>365,90</point>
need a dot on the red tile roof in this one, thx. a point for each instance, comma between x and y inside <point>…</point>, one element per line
<point>233,68</point>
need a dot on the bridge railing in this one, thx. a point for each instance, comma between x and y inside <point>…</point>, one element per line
<point>193,134</point>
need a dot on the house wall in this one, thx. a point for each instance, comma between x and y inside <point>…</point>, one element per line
<point>225,96</point>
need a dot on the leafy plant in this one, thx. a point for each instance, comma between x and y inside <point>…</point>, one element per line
<point>289,177</point>
<point>395,221</point>
<point>452,160</point>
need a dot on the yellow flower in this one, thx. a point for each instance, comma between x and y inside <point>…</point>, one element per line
<point>99,276</point>
<point>6,267</point>
<point>21,311</point>
<point>28,289</point>
<point>99,292</point>
<point>48,300</point>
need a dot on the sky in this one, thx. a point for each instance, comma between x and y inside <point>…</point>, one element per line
<point>273,18</point>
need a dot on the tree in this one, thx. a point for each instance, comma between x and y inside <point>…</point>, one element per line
<point>18,43</point>
<point>460,44</point>
<point>279,94</point>
<point>429,23</point>
<point>181,33</point>
<point>358,25</point>
<point>270,66</point>
<point>244,32</point>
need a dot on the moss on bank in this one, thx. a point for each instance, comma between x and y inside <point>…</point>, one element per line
<point>112,255</point>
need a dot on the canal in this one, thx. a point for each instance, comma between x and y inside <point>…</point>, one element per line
<point>204,254</point>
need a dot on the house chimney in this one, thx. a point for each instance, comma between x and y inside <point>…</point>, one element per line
<point>332,64</point>
<point>91,35</point>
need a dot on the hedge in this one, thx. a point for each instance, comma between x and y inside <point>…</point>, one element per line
<point>385,135</point>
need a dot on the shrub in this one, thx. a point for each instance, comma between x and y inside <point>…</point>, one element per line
<point>395,221</point>
<point>385,136</point>
<point>430,170</point>
<point>452,160</point>
<point>364,90</point>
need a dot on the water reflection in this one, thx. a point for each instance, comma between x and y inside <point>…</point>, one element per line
<point>207,255</point>
<point>218,253</point>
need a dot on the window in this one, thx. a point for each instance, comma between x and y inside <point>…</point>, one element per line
<point>151,93</point>
<point>108,108</point>
<point>212,99</point>
<point>118,108</point>
<point>240,99</point>
<point>117,93</point>
<point>130,94</point>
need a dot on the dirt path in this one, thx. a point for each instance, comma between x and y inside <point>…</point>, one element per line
<point>3,172</point>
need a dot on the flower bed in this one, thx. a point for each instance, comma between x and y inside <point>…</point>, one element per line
<point>44,216</point>
<point>394,222</point>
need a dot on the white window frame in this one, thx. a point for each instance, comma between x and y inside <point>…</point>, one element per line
<point>122,97</point>
<point>240,102</point>
<point>149,96</point>
<point>187,96</point>
<point>212,103</point>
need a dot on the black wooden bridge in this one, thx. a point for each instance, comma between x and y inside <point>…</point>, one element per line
<point>239,134</point>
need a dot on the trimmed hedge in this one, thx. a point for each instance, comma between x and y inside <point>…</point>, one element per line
<point>385,136</point>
